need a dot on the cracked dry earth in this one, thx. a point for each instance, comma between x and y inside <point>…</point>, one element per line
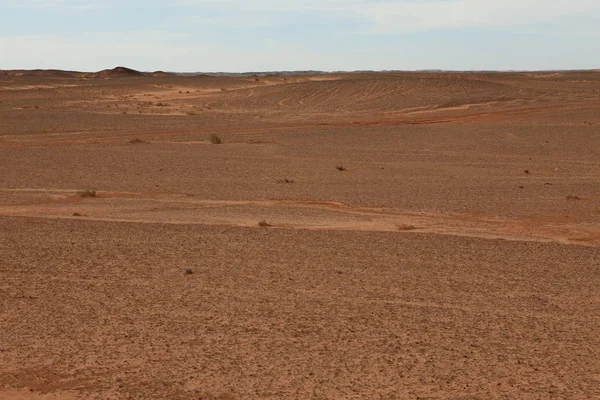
<point>455,254</point>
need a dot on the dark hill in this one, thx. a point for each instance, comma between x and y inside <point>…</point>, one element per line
<point>119,72</point>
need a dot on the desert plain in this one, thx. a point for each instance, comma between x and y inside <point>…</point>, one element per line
<point>352,236</point>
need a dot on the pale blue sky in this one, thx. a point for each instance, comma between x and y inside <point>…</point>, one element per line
<point>266,35</point>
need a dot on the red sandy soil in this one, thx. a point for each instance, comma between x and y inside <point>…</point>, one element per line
<point>456,255</point>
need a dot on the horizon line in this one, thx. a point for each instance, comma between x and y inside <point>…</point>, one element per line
<point>306,71</point>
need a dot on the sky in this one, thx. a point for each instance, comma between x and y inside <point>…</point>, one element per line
<point>276,35</point>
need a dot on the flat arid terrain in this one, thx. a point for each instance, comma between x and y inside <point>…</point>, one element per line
<point>353,236</point>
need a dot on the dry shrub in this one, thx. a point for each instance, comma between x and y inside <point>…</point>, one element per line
<point>137,141</point>
<point>215,139</point>
<point>86,193</point>
<point>405,227</point>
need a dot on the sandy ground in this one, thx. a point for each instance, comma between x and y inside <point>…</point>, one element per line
<point>425,236</point>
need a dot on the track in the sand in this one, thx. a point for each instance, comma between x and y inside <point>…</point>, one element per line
<point>283,214</point>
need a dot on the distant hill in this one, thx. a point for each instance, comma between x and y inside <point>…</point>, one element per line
<point>40,73</point>
<point>124,72</point>
<point>160,73</point>
<point>119,72</point>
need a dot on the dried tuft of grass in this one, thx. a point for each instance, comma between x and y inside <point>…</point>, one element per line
<point>573,197</point>
<point>215,139</point>
<point>341,168</point>
<point>405,227</point>
<point>76,214</point>
<point>264,224</point>
<point>86,193</point>
<point>137,141</point>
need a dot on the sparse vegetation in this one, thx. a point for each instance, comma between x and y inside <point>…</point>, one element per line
<point>341,168</point>
<point>76,214</point>
<point>573,197</point>
<point>137,141</point>
<point>405,227</point>
<point>188,272</point>
<point>86,193</point>
<point>286,180</point>
<point>161,104</point>
<point>215,139</point>
<point>526,171</point>
<point>264,224</point>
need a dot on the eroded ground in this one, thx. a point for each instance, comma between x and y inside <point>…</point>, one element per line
<point>424,236</point>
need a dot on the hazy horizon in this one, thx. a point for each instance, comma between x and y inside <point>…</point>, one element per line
<point>427,70</point>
